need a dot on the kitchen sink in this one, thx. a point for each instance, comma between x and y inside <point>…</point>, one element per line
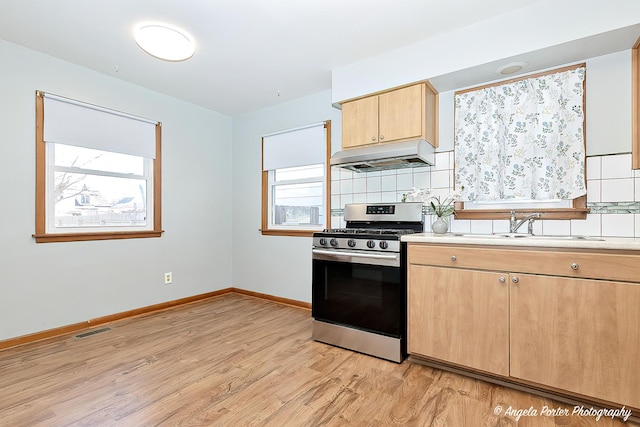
<point>480,236</point>
<point>493,236</point>
<point>566,238</point>
<point>513,235</point>
<point>524,236</point>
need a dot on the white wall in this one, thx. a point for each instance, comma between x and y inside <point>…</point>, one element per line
<point>44,286</point>
<point>609,104</point>
<point>608,108</point>
<point>272,265</point>
<point>211,195</point>
<point>610,179</point>
<point>534,28</point>
<point>281,266</point>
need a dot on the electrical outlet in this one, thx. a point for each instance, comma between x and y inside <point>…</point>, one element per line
<point>168,278</point>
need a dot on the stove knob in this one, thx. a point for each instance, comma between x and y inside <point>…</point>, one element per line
<point>383,244</point>
<point>371,244</point>
<point>333,242</point>
<point>351,243</point>
<point>323,241</point>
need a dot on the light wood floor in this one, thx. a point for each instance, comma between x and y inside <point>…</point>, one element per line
<point>236,361</point>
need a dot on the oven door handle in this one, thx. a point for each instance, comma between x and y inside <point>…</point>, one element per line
<point>369,258</point>
<point>355,254</point>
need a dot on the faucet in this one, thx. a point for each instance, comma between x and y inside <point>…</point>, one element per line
<point>514,224</point>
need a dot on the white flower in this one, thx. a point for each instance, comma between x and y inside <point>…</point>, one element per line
<point>441,206</point>
<point>419,195</point>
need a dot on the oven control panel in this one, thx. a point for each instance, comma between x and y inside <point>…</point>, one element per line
<point>378,244</point>
<point>381,209</point>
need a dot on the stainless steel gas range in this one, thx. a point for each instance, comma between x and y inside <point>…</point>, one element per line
<point>359,287</point>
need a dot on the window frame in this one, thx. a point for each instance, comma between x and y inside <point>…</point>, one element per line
<point>579,209</point>
<point>635,105</point>
<point>299,232</point>
<point>42,236</point>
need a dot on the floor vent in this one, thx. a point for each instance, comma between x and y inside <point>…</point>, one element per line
<point>95,331</point>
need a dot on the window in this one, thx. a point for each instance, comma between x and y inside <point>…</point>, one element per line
<point>295,180</point>
<point>97,173</point>
<point>520,145</point>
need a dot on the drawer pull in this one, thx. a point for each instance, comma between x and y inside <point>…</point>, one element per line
<point>501,280</point>
<point>514,279</point>
<point>453,258</point>
<point>574,266</point>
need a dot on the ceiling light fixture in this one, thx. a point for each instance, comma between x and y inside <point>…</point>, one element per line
<point>511,68</point>
<point>165,42</point>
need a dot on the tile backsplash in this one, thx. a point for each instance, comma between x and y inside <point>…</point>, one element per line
<point>613,195</point>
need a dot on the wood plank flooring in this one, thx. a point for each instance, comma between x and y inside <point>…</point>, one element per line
<point>240,361</point>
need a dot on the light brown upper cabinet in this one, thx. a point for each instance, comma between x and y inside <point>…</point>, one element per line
<point>398,115</point>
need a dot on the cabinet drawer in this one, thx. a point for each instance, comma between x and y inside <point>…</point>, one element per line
<point>588,264</point>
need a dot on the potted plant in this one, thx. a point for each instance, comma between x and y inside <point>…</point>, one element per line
<point>442,208</point>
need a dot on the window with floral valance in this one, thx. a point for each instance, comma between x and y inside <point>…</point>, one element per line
<point>522,140</point>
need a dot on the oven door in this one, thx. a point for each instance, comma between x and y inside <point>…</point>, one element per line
<point>355,291</point>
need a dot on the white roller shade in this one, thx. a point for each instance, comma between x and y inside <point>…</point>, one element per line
<point>297,147</point>
<point>76,123</point>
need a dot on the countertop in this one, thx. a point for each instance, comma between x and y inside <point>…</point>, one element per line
<point>615,243</point>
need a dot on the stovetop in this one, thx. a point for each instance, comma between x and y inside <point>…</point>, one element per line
<point>370,231</point>
<point>372,227</point>
<point>362,239</point>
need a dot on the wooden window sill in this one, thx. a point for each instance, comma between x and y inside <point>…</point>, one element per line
<point>505,214</point>
<point>578,211</point>
<point>80,237</point>
<point>291,233</point>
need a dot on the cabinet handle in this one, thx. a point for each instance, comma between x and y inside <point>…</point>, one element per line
<point>381,137</point>
<point>501,280</point>
<point>453,258</point>
<point>373,138</point>
<point>514,279</point>
<point>574,266</point>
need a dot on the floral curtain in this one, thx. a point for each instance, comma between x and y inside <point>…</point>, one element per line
<point>522,140</point>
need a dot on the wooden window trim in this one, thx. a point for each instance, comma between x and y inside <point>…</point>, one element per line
<point>41,235</point>
<point>635,105</point>
<point>292,232</point>
<point>579,209</point>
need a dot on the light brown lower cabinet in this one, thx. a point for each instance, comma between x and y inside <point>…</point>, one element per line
<point>459,316</point>
<point>566,334</point>
<point>578,335</point>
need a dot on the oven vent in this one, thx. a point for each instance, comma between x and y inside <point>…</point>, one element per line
<point>95,331</point>
<point>379,157</point>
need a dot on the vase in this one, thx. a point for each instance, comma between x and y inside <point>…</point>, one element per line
<point>439,226</point>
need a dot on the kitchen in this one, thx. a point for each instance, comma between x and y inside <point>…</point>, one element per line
<point>243,258</point>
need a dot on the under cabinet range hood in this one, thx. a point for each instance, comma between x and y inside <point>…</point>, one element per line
<point>394,155</point>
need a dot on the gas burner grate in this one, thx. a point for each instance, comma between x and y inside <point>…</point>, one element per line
<point>373,231</point>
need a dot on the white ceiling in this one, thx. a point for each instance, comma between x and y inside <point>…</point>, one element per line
<point>250,54</point>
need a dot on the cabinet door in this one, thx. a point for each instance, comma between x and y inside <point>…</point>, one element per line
<point>459,316</point>
<point>401,114</point>
<point>578,335</point>
<point>360,122</point>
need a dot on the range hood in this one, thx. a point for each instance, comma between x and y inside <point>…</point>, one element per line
<point>394,155</point>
